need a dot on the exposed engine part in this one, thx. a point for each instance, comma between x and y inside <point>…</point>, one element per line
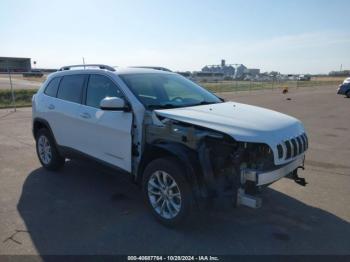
<point>174,131</point>
<point>225,152</point>
<point>247,200</point>
<point>222,159</point>
<point>204,158</point>
<point>297,179</point>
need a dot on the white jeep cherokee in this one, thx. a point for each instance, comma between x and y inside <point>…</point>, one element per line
<point>180,142</point>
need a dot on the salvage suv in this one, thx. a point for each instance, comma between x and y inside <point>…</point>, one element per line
<point>179,142</point>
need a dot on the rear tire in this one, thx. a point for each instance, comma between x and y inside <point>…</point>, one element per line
<point>347,94</point>
<point>166,191</point>
<point>47,152</point>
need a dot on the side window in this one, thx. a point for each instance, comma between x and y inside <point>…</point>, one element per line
<point>52,87</point>
<point>71,88</point>
<point>98,88</point>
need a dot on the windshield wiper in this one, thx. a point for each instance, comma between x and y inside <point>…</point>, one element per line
<point>168,106</point>
<point>165,106</point>
<point>205,103</point>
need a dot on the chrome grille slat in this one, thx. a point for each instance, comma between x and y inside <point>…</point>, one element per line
<point>280,151</point>
<point>300,146</point>
<point>289,149</point>
<point>304,142</point>
<point>293,147</point>
<point>284,150</point>
<point>307,141</point>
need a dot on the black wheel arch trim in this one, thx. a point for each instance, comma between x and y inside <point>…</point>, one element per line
<point>44,123</point>
<point>184,154</point>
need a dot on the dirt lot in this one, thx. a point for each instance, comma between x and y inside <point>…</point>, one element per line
<point>88,210</point>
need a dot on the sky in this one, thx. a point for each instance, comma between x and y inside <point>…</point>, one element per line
<point>309,36</point>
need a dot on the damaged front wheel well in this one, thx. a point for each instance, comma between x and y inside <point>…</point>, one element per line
<point>151,153</point>
<point>165,149</point>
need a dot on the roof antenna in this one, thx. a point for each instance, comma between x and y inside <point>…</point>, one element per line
<point>84,62</point>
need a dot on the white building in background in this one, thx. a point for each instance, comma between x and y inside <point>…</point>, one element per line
<point>226,70</point>
<point>15,64</point>
<point>234,71</point>
<point>252,71</point>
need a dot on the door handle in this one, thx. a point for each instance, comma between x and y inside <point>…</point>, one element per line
<point>85,115</point>
<point>51,107</point>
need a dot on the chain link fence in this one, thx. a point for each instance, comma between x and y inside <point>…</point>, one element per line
<point>275,85</point>
<point>17,90</point>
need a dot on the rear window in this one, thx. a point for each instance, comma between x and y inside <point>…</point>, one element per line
<point>52,87</point>
<point>71,88</point>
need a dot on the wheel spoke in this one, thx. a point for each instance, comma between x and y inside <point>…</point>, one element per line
<point>173,184</point>
<point>159,179</point>
<point>158,200</point>
<point>153,192</point>
<point>153,184</point>
<point>164,177</point>
<point>162,207</point>
<point>173,195</point>
<point>175,206</point>
<point>168,206</point>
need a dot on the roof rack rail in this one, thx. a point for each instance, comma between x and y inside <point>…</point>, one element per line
<point>153,67</point>
<point>100,66</point>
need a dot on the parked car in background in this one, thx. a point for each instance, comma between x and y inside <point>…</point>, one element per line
<point>347,81</point>
<point>304,78</point>
<point>33,73</point>
<point>344,89</point>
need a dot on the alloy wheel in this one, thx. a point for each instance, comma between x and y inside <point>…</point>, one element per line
<point>44,149</point>
<point>164,194</point>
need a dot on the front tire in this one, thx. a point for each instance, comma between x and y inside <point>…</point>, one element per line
<point>348,94</point>
<point>47,152</point>
<point>166,191</point>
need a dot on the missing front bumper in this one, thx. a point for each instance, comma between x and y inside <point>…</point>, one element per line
<point>265,178</point>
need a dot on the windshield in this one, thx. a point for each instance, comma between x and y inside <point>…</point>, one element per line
<point>167,91</point>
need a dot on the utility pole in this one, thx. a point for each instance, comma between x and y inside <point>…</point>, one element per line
<point>12,92</point>
<point>84,62</point>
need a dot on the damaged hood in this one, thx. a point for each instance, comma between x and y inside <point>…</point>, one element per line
<point>243,122</point>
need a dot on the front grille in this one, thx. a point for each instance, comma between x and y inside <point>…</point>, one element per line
<point>303,141</point>
<point>289,149</point>
<point>280,151</point>
<point>300,146</point>
<point>293,147</point>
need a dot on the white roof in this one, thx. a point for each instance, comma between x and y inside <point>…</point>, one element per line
<point>118,71</point>
<point>136,70</point>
